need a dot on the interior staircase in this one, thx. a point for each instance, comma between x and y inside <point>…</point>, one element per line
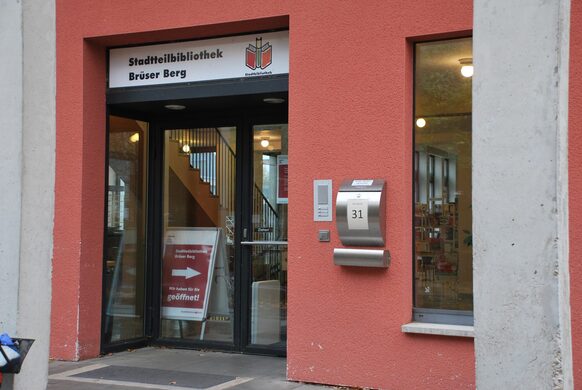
<point>206,165</point>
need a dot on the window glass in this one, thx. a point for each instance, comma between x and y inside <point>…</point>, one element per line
<point>125,233</point>
<point>269,218</point>
<point>443,232</point>
<point>197,301</point>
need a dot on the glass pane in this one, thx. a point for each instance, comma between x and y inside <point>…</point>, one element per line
<point>442,176</point>
<point>198,232</point>
<point>269,262</point>
<point>125,235</point>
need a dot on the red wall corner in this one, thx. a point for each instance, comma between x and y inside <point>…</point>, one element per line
<point>79,200</point>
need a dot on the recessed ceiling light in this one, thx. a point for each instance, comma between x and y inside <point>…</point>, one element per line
<point>272,100</point>
<point>175,107</point>
<point>265,142</point>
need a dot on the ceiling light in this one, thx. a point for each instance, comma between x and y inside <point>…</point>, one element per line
<point>272,100</point>
<point>466,67</point>
<point>134,138</point>
<point>175,107</point>
<point>186,148</point>
<point>265,142</point>
<point>420,122</point>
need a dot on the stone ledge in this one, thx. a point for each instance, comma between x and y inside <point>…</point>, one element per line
<point>439,329</point>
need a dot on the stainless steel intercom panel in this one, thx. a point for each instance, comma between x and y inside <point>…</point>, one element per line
<point>360,212</point>
<point>322,200</point>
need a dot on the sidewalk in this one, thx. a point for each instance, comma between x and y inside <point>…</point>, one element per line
<point>173,369</point>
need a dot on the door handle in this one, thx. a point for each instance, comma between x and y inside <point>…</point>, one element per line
<point>263,243</point>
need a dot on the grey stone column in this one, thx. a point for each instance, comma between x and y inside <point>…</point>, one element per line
<point>27,161</point>
<point>38,187</point>
<point>10,163</point>
<point>520,194</point>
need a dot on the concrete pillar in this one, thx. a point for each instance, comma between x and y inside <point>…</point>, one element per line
<point>27,130</point>
<point>38,178</point>
<point>520,190</point>
<point>10,158</point>
<point>10,161</point>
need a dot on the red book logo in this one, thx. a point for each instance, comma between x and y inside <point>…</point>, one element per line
<point>259,55</point>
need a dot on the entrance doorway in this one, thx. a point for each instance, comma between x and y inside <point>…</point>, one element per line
<point>196,225</point>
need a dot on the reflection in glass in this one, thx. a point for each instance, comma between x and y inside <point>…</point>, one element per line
<point>269,262</point>
<point>198,233</point>
<point>442,177</point>
<point>125,240</point>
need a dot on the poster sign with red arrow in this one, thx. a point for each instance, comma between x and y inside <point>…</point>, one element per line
<point>188,264</point>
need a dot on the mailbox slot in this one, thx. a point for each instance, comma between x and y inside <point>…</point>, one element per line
<point>378,258</point>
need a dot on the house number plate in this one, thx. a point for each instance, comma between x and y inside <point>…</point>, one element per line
<point>357,214</point>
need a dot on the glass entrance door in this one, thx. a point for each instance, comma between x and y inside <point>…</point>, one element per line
<point>265,245</point>
<point>198,259</point>
<point>223,253</point>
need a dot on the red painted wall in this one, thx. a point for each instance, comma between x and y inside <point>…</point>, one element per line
<point>350,115</point>
<point>575,186</point>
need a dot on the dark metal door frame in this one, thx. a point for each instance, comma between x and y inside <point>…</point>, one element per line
<point>244,122</point>
<point>250,120</point>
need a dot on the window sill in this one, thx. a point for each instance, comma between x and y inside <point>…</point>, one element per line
<point>439,329</point>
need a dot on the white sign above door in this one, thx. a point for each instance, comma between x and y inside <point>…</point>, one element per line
<point>211,59</point>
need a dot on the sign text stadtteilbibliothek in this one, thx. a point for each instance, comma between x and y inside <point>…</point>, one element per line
<point>202,60</point>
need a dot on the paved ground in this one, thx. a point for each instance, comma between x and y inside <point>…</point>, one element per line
<point>175,369</point>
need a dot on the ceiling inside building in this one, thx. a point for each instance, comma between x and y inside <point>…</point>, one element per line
<point>443,96</point>
<point>440,89</point>
<point>194,106</point>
